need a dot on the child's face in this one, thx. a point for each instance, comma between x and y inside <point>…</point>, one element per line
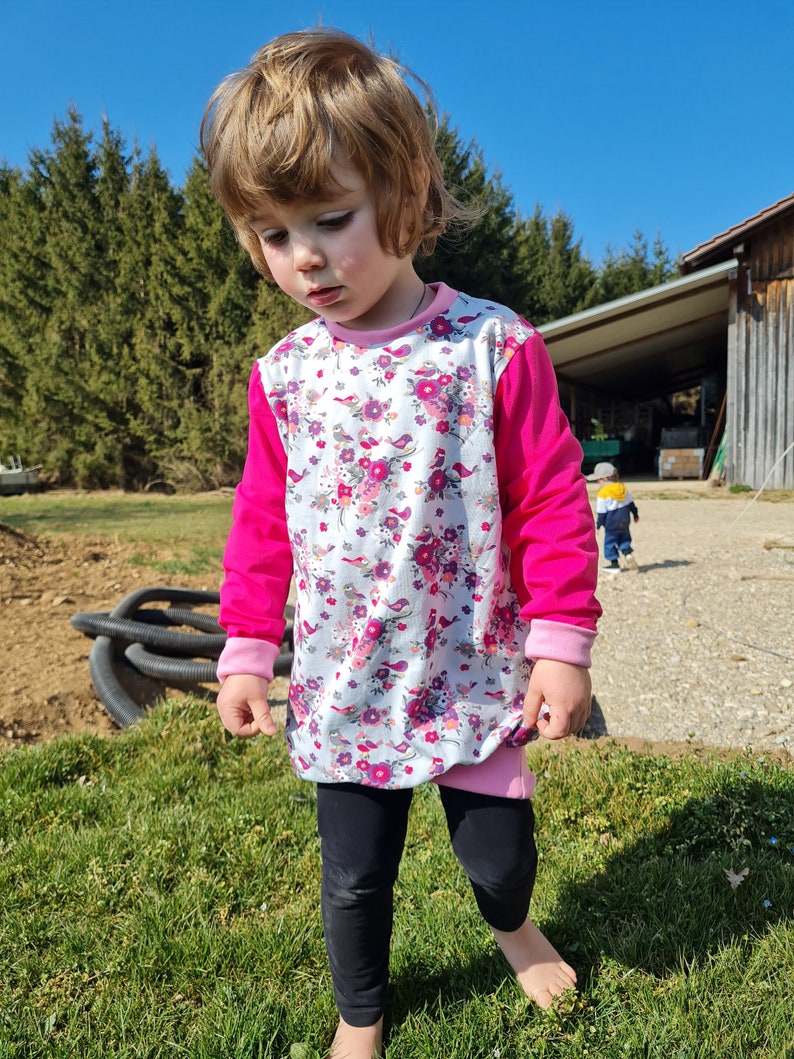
<point>327,256</point>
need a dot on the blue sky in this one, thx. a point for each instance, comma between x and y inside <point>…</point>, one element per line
<point>675,117</point>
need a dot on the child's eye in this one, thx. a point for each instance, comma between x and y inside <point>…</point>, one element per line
<point>273,237</point>
<point>336,222</point>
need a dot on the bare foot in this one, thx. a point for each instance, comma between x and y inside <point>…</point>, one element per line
<point>357,1042</point>
<point>541,971</point>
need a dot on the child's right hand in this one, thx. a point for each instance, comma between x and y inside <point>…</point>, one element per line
<point>242,705</point>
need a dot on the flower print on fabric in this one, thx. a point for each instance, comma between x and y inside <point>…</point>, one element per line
<point>408,642</point>
<point>450,402</point>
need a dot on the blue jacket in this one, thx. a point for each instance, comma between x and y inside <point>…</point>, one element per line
<point>615,507</point>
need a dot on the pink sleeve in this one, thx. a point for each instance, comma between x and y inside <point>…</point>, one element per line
<point>258,561</point>
<point>547,521</point>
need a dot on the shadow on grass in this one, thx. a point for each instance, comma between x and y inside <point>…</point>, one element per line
<point>656,904</point>
<point>414,989</point>
<point>665,900</point>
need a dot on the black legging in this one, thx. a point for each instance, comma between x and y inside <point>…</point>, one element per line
<point>362,834</point>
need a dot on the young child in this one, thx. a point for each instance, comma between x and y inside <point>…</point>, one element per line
<point>409,464</point>
<point>614,510</point>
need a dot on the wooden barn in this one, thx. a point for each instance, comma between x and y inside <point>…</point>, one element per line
<point>724,330</point>
<point>759,405</point>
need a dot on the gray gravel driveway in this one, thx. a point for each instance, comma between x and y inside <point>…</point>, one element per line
<point>699,645</point>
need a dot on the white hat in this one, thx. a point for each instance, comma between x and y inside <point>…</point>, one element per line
<point>602,470</point>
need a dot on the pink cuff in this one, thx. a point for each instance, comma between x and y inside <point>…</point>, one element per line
<point>244,655</point>
<point>559,642</point>
<point>504,774</point>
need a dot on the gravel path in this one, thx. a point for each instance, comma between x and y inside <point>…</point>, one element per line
<point>699,645</point>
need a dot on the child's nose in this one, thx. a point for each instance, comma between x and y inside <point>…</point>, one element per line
<point>306,255</point>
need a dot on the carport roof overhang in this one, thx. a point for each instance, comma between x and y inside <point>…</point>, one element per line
<point>651,344</point>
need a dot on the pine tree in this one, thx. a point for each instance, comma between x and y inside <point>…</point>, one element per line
<point>23,310</point>
<point>216,298</point>
<point>630,270</point>
<point>570,274</point>
<point>63,391</point>
<point>479,257</point>
<point>533,248</point>
<point>149,283</point>
<point>130,318</point>
<point>556,276</point>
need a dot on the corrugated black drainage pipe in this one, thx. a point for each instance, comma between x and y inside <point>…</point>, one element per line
<point>138,629</point>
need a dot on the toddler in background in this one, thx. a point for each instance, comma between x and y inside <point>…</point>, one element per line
<point>614,510</point>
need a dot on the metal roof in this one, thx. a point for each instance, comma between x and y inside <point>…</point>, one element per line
<point>650,344</point>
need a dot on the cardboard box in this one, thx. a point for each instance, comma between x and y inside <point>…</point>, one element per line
<point>681,463</point>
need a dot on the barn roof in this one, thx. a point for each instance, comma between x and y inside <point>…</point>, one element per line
<point>663,340</point>
<point>656,342</point>
<point>722,245</point>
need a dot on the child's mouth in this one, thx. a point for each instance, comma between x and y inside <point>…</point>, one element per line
<point>324,295</point>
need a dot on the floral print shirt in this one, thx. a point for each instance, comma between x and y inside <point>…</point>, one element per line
<point>396,480</point>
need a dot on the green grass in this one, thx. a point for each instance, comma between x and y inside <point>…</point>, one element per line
<point>160,898</point>
<point>196,561</point>
<point>181,535</point>
<point>159,890</point>
<point>200,520</point>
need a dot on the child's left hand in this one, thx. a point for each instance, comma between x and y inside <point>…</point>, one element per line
<point>566,691</point>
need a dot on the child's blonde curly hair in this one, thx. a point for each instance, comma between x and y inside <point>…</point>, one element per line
<point>309,99</point>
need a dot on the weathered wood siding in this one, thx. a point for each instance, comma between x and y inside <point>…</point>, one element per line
<point>760,403</point>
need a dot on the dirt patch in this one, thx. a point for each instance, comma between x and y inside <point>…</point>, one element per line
<point>47,690</point>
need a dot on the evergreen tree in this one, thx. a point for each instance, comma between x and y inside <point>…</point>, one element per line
<point>532,265</point>
<point>23,309</point>
<point>630,270</point>
<point>64,391</point>
<point>533,248</point>
<point>556,277</point>
<point>147,281</point>
<point>478,258</point>
<point>130,319</point>
<point>216,299</point>
<point>569,275</point>
<point>579,270</point>
<point>663,267</point>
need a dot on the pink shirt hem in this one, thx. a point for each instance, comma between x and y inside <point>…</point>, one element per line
<point>505,774</point>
